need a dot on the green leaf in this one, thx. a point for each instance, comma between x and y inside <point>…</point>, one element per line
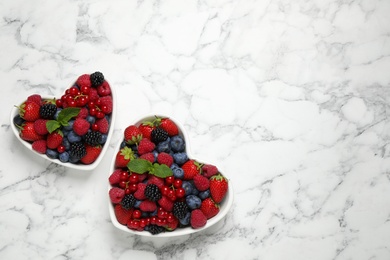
<point>162,170</point>
<point>140,166</point>
<point>52,125</point>
<point>66,114</point>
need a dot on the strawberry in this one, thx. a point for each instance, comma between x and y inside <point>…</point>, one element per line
<point>148,156</point>
<point>122,215</point>
<point>81,126</point>
<point>191,168</point>
<point>107,102</point>
<point>139,194</point>
<point>103,125</point>
<point>209,208</point>
<point>209,170</point>
<point>198,219</point>
<point>28,133</point>
<point>54,139</point>
<point>166,203</point>
<point>201,183</point>
<point>29,111</point>
<point>39,146</point>
<point>132,134</point>
<point>93,153</point>
<point>40,126</point>
<point>115,177</point>
<point>218,187</point>
<point>146,129</point>
<point>36,98</point>
<point>165,158</point>
<point>169,126</point>
<point>145,146</point>
<point>123,157</point>
<point>148,206</point>
<point>116,194</point>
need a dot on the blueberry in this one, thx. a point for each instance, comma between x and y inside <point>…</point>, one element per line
<point>204,194</point>
<point>180,158</point>
<point>52,154</point>
<point>177,143</point>
<point>91,119</point>
<point>164,146</point>
<point>123,144</point>
<point>193,202</point>
<point>66,143</point>
<point>69,126</point>
<point>177,172</point>
<point>186,220</point>
<point>64,157</point>
<point>137,203</point>
<point>18,120</point>
<point>188,187</point>
<point>103,139</point>
<point>57,112</point>
<point>73,137</point>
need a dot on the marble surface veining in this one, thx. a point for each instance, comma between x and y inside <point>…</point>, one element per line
<point>290,98</point>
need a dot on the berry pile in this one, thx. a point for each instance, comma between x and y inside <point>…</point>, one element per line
<point>73,128</point>
<point>155,187</point>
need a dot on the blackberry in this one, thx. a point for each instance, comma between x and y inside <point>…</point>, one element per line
<point>159,135</point>
<point>96,78</point>
<point>180,209</point>
<point>93,138</point>
<point>128,201</point>
<point>77,151</point>
<point>152,192</point>
<point>47,111</point>
<point>154,229</point>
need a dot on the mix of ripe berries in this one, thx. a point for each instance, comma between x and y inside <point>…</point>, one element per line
<point>73,128</point>
<point>155,187</point>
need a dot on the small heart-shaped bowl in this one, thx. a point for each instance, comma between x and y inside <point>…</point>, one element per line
<point>84,167</point>
<point>225,205</point>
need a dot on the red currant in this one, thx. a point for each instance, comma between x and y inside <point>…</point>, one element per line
<point>124,176</point>
<point>85,89</point>
<point>100,114</point>
<point>137,213</point>
<point>95,127</point>
<point>59,102</point>
<point>177,183</point>
<point>127,191</point>
<point>180,192</point>
<point>165,190</point>
<point>133,178</point>
<point>61,148</point>
<point>172,195</point>
<point>133,187</point>
<point>73,91</point>
<point>169,180</point>
<point>122,184</point>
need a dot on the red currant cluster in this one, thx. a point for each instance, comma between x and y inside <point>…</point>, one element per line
<point>173,188</point>
<point>162,219</point>
<point>129,182</point>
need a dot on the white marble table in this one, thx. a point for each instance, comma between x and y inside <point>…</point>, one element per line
<point>291,98</point>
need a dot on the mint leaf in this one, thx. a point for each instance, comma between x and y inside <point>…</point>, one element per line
<point>162,170</point>
<point>140,166</point>
<point>52,125</point>
<point>66,114</point>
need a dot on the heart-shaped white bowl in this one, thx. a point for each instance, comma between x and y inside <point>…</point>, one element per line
<point>84,167</point>
<point>225,205</point>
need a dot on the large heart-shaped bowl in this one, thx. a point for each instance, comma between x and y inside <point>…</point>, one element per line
<point>225,205</point>
<point>79,166</point>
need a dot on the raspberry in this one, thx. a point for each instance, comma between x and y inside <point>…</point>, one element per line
<point>165,158</point>
<point>83,81</point>
<point>198,219</point>
<point>159,135</point>
<point>145,146</point>
<point>103,125</point>
<point>165,203</point>
<point>122,215</point>
<point>128,201</point>
<point>148,206</point>
<point>40,126</point>
<point>209,170</point>
<point>140,193</point>
<point>180,209</point>
<point>115,177</point>
<point>81,126</point>
<point>201,183</point>
<point>116,194</point>
<point>152,192</point>
<point>148,156</point>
